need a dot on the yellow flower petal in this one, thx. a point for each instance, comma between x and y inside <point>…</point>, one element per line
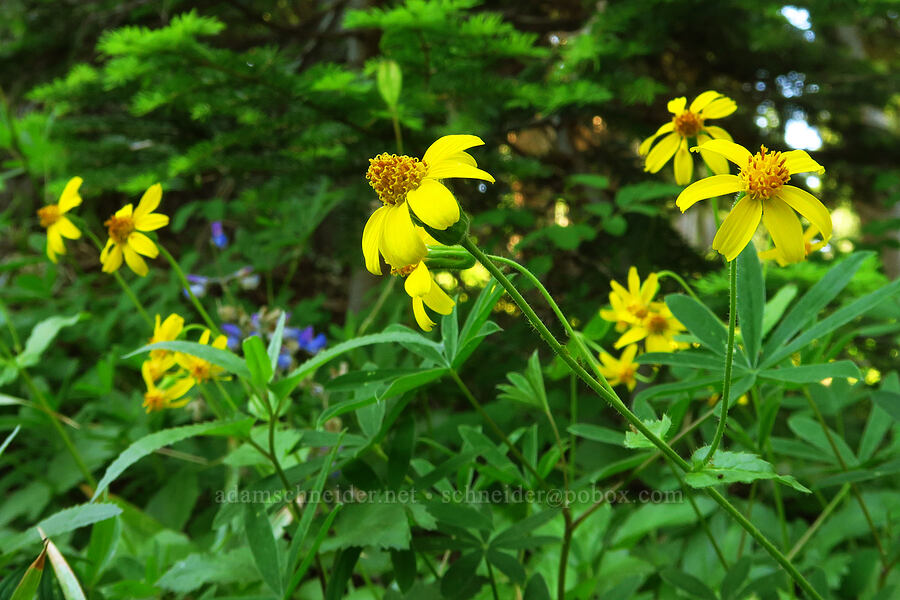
<point>738,227</point>
<point>719,108</point>
<point>113,259</point>
<point>676,105</point>
<point>716,162</point>
<point>448,146</point>
<point>784,227</point>
<point>221,342</point>
<point>717,185</point>
<point>657,343</point>
<point>150,222</point>
<point>105,251</point>
<point>662,152</point>
<point>134,261</point>
<point>371,238</point>
<point>67,229</point>
<point>125,211</point>
<point>798,161</point>
<point>54,240</point>
<point>772,254</point>
<point>178,389</point>
<point>634,282</point>
<point>684,164</point>
<point>733,152</point>
<point>433,204</point>
<point>703,100</point>
<point>149,201</point>
<point>717,132</point>
<point>422,317</point>
<point>419,282</point>
<point>143,245</point>
<point>645,145</point>
<point>400,244</point>
<point>633,335</point>
<point>437,300</point>
<point>70,198</point>
<point>809,206</point>
<point>454,168</point>
<point>650,287</point>
<point>628,354</point>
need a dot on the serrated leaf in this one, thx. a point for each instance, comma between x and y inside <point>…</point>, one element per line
<point>731,467</point>
<point>222,358</point>
<point>62,522</point>
<point>382,525</point>
<point>659,427</point>
<point>42,336</point>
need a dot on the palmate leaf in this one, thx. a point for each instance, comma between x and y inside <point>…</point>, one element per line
<point>751,300</point>
<point>731,467</point>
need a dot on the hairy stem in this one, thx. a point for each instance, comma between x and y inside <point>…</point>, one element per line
<point>729,360</point>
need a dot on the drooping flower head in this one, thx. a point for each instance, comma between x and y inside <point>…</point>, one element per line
<point>622,370</point>
<point>405,183</point>
<point>763,180</point>
<point>631,305</point>
<point>198,369</point>
<point>168,397</point>
<point>689,122</point>
<point>423,290</point>
<point>657,329</point>
<point>125,237</point>
<point>58,226</point>
<point>166,331</point>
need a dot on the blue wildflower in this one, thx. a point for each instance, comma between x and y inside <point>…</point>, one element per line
<point>218,235</point>
<point>234,334</point>
<point>284,359</point>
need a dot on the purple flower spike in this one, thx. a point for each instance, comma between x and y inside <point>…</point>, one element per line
<point>317,344</point>
<point>218,235</point>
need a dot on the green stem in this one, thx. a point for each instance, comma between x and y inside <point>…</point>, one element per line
<point>398,134</point>
<point>689,494</point>
<point>496,428</point>
<point>187,286</point>
<point>376,308</point>
<point>818,522</point>
<point>620,407</point>
<point>680,280</point>
<point>729,360</point>
<point>118,277</point>
<point>493,580</point>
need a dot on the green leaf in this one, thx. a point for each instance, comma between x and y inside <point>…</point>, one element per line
<point>71,589</point>
<point>600,182</point>
<point>9,439</point>
<point>262,545</point>
<point>274,348</point>
<point>382,525</point>
<point>475,328</point>
<point>155,441</point>
<point>659,427</point>
<point>404,564</point>
<point>450,333</point>
<point>596,433</point>
<point>700,321</point>
<point>313,551</point>
<point>28,585</point>
<point>508,564</point>
<point>460,581</point>
<point>730,467</point>
<point>257,361</point>
<point>401,451</point>
<point>810,430</point>
<point>735,577</point>
<point>528,388</point>
<point>514,535</point>
<point>812,373</point>
<point>889,402</point>
<point>222,358</point>
<point>42,336</point>
<point>695,588</point>
<point>390,82</point>
<point>101,548</point>
<point>686,358</point>
<point>196,570</point>
<point>61,522</point>
<point>751,299</point>
<point>776,306</point>
<point>536,588</point>
<point>838,318</point>
<point>814,300</point>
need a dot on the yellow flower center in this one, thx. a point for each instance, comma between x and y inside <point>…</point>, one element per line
<point>154,401</point>
<point>200,371</point>
<point>688,124</point>
<point>392,176</point>
<point>48,215</point>
<point>657,324</point>
<point>627,374</point>
<point>404,271</point>
<point>638,310</point>
<point>120,228</point>
<point>764,174</point>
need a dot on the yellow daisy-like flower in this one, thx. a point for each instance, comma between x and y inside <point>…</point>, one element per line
<point>58,226</point>
<point>166,331</point>
<point>808,246</point>
<point>404,183</point>
<point>169,397</point>
<point>621,370</point>
<point>630,306</point>
<point>763,179</point>
<point>689,122</point>
<point>658,330</point>
<point>125,237</point>
<point>198,369</point>
<point>423,290</point>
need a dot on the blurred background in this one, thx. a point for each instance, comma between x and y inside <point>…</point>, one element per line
<point>258,118</point>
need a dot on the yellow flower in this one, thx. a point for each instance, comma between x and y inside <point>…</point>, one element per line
<point>126,241</point>
<point>158,399</point>
<point>167,331</point>
<point>763,178</point>
<point>198,369</point>
<point>630,306</point>
<point>404,183</point>
<point>424,292</point>
<point>58,226</point>
<point>621,370</point>
<point>689,123</point>
<point>658,330</point>
<point>808,247</point>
